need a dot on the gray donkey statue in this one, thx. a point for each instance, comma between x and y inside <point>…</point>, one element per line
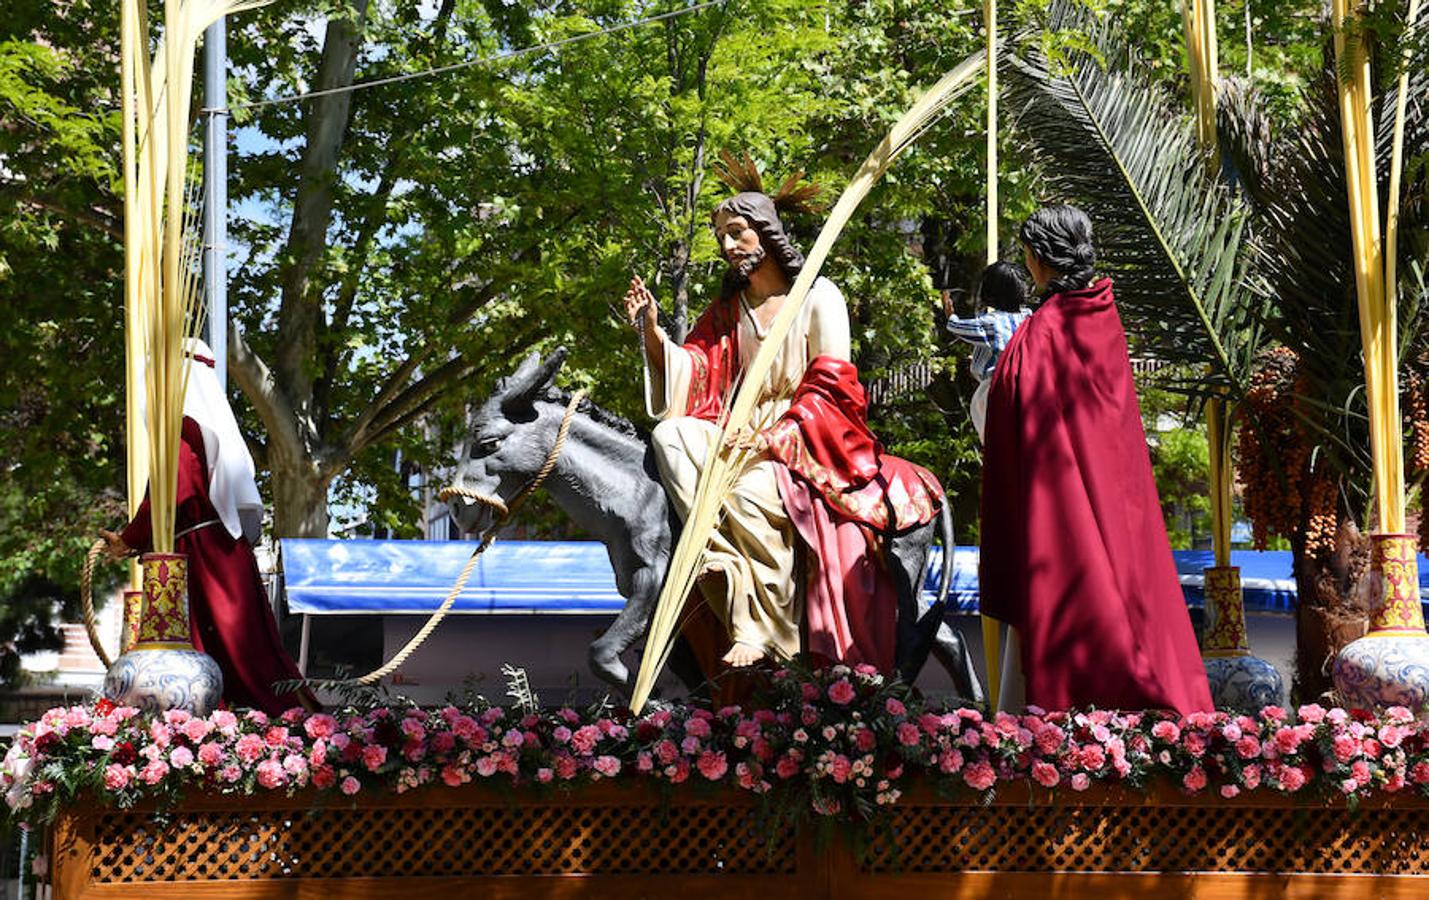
<point>605,479</point>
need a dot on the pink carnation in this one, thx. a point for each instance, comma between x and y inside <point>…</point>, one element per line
<point>271,774</point>
<point>1165,731</point>
<point>697,728</point>
<point>979,776</point>
<point>1292,778</point>
<point>1419,774</point>
<point>950,761</point>
<point>1195,779</point>
<point>116,777</point>
<point>320,725</point>
<point>1045,774</point>
<point>196,729</point>
<point>1248,747</point>
<point>907,734</point>
<point>154,772</point>
<point>894,707</point>
<point>182,757</point>
<point>841,692</point>
<point>1229,791</point>
<point>713,765</point>
<point>249,748</point>
<point>1080,781</point>
<point>373,756</point>
<point>349,786</point>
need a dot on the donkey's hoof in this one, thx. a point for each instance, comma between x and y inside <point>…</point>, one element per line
<point>607,666</point>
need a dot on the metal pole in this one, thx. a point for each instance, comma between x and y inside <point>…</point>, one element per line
<point>215,189</point>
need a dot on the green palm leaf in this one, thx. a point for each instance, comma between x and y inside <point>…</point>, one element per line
<point>1171,234</point>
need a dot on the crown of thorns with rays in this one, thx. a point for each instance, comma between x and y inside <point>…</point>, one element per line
<point>741,173</point>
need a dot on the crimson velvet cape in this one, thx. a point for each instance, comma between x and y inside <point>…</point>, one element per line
<point>840,489</point>
<point>1074,547</point>
<point>228,608</point>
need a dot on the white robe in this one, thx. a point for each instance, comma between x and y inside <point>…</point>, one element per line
<point>752,548</point>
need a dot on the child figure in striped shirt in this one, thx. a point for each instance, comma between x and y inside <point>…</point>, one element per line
<point>1003,295</point>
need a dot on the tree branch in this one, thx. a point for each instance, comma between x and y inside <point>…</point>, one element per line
<point>300,309</point>
<point>257,383</point>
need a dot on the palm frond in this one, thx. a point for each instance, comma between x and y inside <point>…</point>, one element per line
<point>1171,234</point>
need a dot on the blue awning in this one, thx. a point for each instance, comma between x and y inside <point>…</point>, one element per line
<point>327,577</point>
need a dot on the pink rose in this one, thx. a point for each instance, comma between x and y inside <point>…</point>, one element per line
<point>116,777</point>
<point>713,765</point>
<point>841,692</point>
<point>979,776</point>
<point>349,786</point>
<point>1045,774</point>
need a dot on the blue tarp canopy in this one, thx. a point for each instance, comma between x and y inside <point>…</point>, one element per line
<point>325,577</point>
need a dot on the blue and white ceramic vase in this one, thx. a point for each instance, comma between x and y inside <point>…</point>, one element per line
<point>163,670</point>
<point>1390,665</point>
<point>1239,680</point>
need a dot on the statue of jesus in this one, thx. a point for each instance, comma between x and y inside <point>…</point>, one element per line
<point>817,475</point>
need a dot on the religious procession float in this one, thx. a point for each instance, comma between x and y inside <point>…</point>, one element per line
<point>771,552</point>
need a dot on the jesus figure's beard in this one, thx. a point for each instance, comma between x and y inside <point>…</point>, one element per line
<point>745,265</point>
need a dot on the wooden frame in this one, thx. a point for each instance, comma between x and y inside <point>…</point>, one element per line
<point>621,841</point>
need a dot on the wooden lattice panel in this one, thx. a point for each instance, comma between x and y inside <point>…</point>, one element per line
<point>1154,839</point>
<point>133,847</point>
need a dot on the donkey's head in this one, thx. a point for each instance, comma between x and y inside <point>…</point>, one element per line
<point>510,436</point>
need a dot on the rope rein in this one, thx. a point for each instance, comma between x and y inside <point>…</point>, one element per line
<point>504,512</point>
<point>86,601</point>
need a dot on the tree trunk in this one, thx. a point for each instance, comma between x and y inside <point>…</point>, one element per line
<point>300,505</point>
<point>1333,608</point>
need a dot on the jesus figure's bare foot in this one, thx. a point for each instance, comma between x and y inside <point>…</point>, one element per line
<point>743,655</point>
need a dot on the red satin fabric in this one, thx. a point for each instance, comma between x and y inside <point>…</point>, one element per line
<point>231,619</point>
<point>1074,547</point>
<point>713,346</point>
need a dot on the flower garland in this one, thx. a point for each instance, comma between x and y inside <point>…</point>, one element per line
<point>840,743</point>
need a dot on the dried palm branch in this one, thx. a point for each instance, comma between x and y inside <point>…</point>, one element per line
<point>161,294</point>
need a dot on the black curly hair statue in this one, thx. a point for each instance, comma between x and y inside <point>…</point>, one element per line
<point>1061,239</point>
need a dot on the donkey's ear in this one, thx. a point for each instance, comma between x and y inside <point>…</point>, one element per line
<point>534,376</point>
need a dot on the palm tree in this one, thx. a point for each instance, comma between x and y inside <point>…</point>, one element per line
<point>1244,275</point>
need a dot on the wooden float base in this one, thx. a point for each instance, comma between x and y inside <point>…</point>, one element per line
<point>625,842</point>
